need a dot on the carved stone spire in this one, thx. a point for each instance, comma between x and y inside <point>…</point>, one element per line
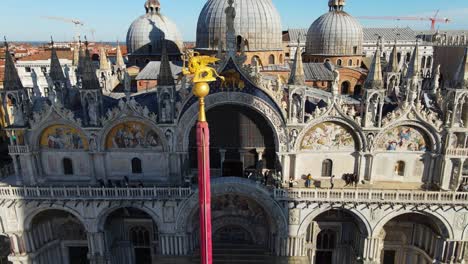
<point>81,58</point>
<point>414,70</point>
<point>89,78</point>
<point>297,72</point>
<point>165,76</point>
<point>436,80</point>
<point>393,63</point>
<point>103,61</point>
<point>76,54</point>
<point>56,71</point>
<point>119,59</point>
<point>11,80</point>
<point>374,78</point>
<point>461,77</point>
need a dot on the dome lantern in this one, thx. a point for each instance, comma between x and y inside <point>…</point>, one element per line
<point>152,6</point>
<point>336,5</point>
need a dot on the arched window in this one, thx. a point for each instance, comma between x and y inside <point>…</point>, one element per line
<point>400,168</point>
<point>350,63</point>
<point>327,168</point>
<point>239,42</point>
<point>429,62</point>
<point>255,60</point>
<point>408,57</point>
<point>423,61</point>
<point>67,166</point>
<point>345,87</point>
<point>339,62</point>
<point>281,59</point>
<point>140,237</point>
<point>326,240</point>
<point>136,166</point>
<point>271,59</point>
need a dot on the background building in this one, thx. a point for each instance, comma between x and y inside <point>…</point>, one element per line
<point>105,172</point>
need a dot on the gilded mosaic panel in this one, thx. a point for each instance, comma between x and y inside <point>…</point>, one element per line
<point>328,136</point>
<point>62,137</point>
<point>403,138</point>
<point>132,135</point>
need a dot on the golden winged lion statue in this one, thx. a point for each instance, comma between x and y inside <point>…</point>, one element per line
<point>198,66</point>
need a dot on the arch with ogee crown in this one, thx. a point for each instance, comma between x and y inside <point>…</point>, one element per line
<point>275,120</point>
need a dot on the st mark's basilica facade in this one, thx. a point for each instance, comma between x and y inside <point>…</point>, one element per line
<point>110,177</point>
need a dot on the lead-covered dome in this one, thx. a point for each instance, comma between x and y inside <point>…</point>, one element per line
<point>335,33</point>
<point>145,34</point>
<point>257,21</point>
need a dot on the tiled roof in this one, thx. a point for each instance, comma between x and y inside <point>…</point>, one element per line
<point>370,34</point>
<point>151,70</point>
<point>389,34</point>
<point>45,55</point>
<point>294,34</point>
<point>317,72</point>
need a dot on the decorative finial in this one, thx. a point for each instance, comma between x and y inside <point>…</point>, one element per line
<point>52,41</point>
<point>230,2</point>
<point>86,41</point>
<point>6,42</point>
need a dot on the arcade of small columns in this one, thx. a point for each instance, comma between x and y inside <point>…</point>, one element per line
<point>361,232</point>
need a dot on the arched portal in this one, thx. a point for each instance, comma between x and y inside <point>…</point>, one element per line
<point>241,226</point>
<point>335,237</point>
<point>410,238</point>
<point>63,229</point>
<point>241,141</point>
<point>131,236</point>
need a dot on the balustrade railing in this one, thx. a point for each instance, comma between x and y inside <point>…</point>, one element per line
<point>18,149</point>
<point>372,195</point>
<point>458,152</point>
<point>93,193</point>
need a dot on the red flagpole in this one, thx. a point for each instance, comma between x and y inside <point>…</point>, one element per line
<point>203,142</point>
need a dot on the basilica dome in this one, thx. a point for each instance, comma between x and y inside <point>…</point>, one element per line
<point>146,33</point>
<point>335,33</point>
<point>257,21</point>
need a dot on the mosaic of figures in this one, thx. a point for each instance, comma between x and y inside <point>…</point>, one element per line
<point>132,135</point>
<point>63,137</point>
<point>328,136</point>
<point>403,138</point>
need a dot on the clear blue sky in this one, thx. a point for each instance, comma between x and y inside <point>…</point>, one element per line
<point>22,19</point>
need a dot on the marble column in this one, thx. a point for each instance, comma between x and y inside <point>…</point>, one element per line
<point>372,249</point>
<point>96,248</point>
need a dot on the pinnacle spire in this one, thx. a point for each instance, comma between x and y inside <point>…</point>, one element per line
<point>414,69</point>
<point>297,72</point>
<point>11,80</point>
<point>393,63</point>
<point>119,60</point>
<point>461,77</point>
<point>88,74</point>
<point>165,76</point>
<point>103,61</point>
<point>374,79</point>
<point>76,54</point>
<point>56,72</point>
<point>81,57</point>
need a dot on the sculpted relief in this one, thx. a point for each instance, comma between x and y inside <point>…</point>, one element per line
<point>328,136</point>
<point>132,135</point>
<point>403,138</point>
<point>61,137</point>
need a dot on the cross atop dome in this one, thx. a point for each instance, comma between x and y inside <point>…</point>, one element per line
<point>152,6</point>
<point>336,5</point>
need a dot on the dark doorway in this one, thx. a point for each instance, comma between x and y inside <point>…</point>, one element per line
<point>67,166</point>
<point>389,257</point>
<point>78,255</point>
<point>324,257</point>
<point>143,255</point>
<point>232,168</point>
<point>232,235</point>
<point>236,129</point>
<point>136,166</point>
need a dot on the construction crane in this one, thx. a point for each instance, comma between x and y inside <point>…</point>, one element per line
<point>78,24</point>
<point>433,19</point>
